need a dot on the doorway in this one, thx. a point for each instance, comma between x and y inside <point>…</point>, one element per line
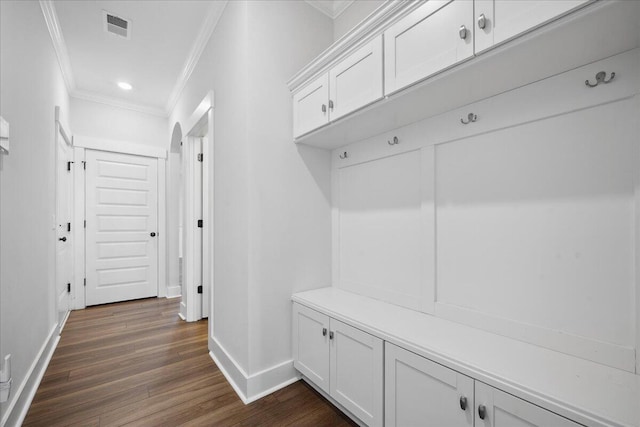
<point>196,238</point>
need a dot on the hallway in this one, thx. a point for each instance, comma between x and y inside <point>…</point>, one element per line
<point>137,363</point>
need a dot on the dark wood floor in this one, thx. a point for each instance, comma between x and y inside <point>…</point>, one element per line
<point>137,363</point>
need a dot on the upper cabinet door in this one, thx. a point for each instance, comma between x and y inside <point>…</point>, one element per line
<point>504,19</point>
<point>311,106</point>
<point>433,37</point>
<point>421,392</point>
<point>357,372</point>
<point>495,408</point>
<point>357,80</point>
<point>311,345</point>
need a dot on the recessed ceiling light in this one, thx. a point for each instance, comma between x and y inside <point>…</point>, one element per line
<point>124,86</point>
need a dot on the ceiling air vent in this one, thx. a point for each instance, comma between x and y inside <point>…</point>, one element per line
<point>117,25</point>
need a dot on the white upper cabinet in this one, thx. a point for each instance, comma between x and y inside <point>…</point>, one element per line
<point>311,106</point>
<point>500,20</point>
<point>435,36</point>
<point>495,408</point>
<point>357,80</point>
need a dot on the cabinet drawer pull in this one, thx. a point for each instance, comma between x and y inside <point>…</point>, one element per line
<point>331,335</point>
<point>324,332</point>
<point>463,403</point>
<point>482,21</point>
<point>463,32</point>
<point>482,411</point>
<point>331,105</point>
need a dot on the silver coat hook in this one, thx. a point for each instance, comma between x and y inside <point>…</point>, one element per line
<point>344,155</point>
<point>601,77</point>
<point>395,141</point>
<point>470,119</point>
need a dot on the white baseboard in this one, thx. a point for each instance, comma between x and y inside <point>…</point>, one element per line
<point>174,291</point>
<point>23,396</point>
<point>255,386</point>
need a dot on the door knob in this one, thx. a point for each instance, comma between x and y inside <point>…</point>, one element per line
<point>63,239</point>
<point>153,234</point>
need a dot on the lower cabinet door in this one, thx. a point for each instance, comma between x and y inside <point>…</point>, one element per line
<point>495,408</point>
<point>419,392</point>
<point>357,372</point>
<point>311,345</point>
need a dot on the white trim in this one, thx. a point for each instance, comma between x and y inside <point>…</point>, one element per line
<point>18,407</point>
<point>331,8</point>
<point>162,228</point>
<point>59,45</point>
<point>208,26</point>
<point>115,102</point>
<point>174,292</point>
<point>255,386</point>
<point>77,290</point>
<point>124,147</point>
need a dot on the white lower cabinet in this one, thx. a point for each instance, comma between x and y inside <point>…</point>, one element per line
<point>419,392</point>
<point>343,361</point>
<point>495,408</point>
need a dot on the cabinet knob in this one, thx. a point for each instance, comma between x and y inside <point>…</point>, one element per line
<point>463,403</point>
<point>331,335</point>
<point>482,21</point>
<point>463,32</point>
<point>324,108</point>
<point>63,239</point>
<point>324,332</point>
<point>482,411</point>
<point>330,104</point>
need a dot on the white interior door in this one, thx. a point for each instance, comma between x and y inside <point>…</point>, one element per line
<point>122,226</point>
<point>64,214</point>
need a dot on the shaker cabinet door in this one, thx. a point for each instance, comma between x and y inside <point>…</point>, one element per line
<point>432,38</point>
<point>311,106</point>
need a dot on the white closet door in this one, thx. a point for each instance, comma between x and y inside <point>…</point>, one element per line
<point>122,226</point>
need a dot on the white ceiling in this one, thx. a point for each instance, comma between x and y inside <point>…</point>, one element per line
<point>165,36</point>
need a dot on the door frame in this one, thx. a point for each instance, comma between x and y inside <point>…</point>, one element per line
<point>81,144</point>
<point>61,133</point>
<point>200,123</point>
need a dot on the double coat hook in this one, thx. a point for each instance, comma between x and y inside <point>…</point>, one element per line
<point>470,119</point>
<point>601,77</point>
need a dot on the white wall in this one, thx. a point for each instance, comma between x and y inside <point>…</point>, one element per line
<point>352,15</point>
<point>271,198</point>
<point>31,85</point>
<point>112,123</point>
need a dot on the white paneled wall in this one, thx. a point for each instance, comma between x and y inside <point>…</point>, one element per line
<point>522,223</point>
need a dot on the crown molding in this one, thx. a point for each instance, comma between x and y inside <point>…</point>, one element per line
<point>86,95</point>
<point>331,8</point>
<point>206,30</point>
<point>60,47</point>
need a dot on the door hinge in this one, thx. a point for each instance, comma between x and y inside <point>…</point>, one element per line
<point>200,289</point>
<point>69,166</point>
<point>68,287</point>
<point>199,223</point>
<point>69,227</point>
<point>200,157</point>
<point>85,223</point>
<point>85,281</point>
